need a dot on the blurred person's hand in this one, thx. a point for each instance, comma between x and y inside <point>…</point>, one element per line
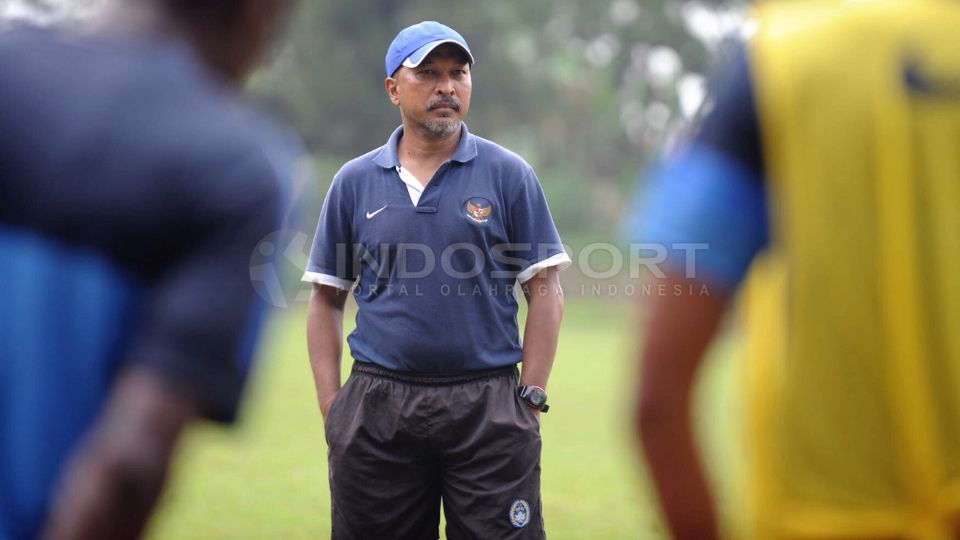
<point>117,475</point>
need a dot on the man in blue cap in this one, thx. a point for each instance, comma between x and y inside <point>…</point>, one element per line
<point>436,227</point>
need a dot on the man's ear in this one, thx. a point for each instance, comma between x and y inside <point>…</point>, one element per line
<point>390,85</point>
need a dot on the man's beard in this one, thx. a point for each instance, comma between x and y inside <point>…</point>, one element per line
<point>444,127</point>
<point>440,129</point>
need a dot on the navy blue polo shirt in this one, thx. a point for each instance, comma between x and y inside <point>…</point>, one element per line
<point>436,280</point>
<point>134,191</point>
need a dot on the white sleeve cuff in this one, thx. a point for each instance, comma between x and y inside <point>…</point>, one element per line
<point>560,260</point>
<point>327,279</point>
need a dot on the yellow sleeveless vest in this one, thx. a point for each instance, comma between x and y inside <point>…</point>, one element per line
<point>854,369</point>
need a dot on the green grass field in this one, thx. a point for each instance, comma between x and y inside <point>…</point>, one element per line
<point>267,477</point>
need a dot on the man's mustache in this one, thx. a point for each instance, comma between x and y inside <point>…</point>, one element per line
<point>446,101</point>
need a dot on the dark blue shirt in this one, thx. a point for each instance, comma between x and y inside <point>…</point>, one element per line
<point>132,194</point>
<point>435,281</point>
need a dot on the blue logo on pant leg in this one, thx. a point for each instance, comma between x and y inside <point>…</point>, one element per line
<point>519,513</point>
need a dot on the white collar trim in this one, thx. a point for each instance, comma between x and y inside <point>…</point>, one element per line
<point>414,187</point>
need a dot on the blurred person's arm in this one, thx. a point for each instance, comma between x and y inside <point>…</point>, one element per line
<point>703,198</point>
<point>113,483</point>
<point>679,330</point>
<point>710,196</point>
<point>190,348</point>
<point>542,330</point>
<point>325,341</point>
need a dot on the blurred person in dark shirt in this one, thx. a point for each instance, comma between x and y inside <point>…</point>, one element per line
<point>135,186</point>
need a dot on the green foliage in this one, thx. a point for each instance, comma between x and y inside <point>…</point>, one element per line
<point>585,91</point>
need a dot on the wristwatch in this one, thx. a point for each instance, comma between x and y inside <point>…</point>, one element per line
<point>535,396</point>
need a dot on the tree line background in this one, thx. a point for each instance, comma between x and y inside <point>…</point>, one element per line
<point>588,92</point>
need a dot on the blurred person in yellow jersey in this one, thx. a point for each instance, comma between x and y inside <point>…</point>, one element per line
<point>826,184</point>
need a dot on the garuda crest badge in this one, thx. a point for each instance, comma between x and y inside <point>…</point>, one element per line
<point>478,209</point>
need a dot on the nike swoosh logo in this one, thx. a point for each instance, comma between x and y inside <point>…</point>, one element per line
<point>922,84</point>
<point>371,214</point>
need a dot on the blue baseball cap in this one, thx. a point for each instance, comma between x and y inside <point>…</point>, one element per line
<point>414,43</point>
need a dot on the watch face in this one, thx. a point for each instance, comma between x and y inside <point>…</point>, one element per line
<point>537,397</point>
